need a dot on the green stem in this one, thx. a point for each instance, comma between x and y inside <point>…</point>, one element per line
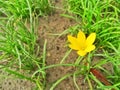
<point>58,81</point>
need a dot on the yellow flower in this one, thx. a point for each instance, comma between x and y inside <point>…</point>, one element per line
<point>82,44</point>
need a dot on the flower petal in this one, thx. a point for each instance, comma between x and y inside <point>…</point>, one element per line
<point>74,46</point>
<point>81,37</point>
<point>81,53</point>
<point>90,39</point>
<point>90,48</point>
<point>71,39</point>
<point>74,43</point>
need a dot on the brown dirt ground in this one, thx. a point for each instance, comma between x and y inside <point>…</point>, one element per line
<point>56,49</point>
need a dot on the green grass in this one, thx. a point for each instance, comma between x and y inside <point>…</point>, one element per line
<point>18,36</point>
<point>98,16</point>
<point>20,8</point>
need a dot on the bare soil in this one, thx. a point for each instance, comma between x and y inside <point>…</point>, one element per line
<point>56,49</point>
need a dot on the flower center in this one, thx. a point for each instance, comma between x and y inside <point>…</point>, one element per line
<point>83,48</point>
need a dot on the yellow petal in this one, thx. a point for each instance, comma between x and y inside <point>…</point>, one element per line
<point>81,38</point>
<point>90,39</point>
<point>74,44</point>
<point>81,53</point>
<point>90,48</point>
<point>71,39</point>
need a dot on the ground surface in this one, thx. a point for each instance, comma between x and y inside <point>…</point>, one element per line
<point>56,49</point>
<point>9,82</point>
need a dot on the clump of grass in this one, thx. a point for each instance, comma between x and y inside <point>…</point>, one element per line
<point>42,7</point>
<point>20,8</point>
<point>98,16</point>
<point>18,36</point>
<point>113,59</point>
<point>17,42</point>
<point>19,51</point>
